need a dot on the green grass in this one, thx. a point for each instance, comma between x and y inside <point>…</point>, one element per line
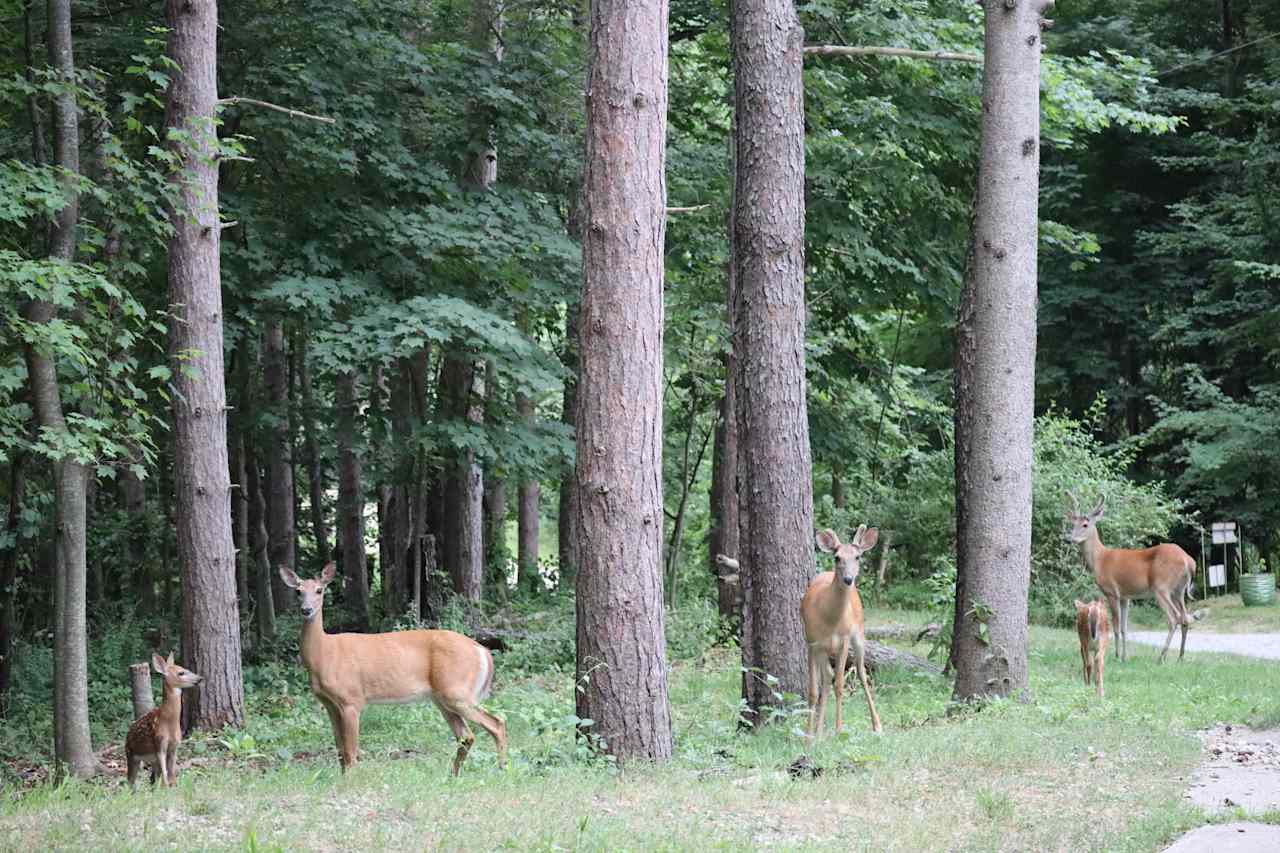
<point>1062,771</point>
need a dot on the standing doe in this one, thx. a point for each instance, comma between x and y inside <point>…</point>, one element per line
<point>1162,572</point>
<point>832,613</point>
<point>349,671</point>
<point>154,737</point>
<point>1094,628</point>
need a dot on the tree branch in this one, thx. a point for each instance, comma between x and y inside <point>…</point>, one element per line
<point>935,55</point>
<point>694,209</point>
<point>236,99</point>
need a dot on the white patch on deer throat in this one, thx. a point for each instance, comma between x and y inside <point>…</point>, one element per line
<point>482,673</point>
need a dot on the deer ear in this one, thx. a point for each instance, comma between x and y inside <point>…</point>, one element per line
<point>170,660</point>
<point>330,570</point>
<point>828,541</point>
<point>157,663</point>
<point>868,538</point>
<point>1080,605</point>
<point>290,579</point>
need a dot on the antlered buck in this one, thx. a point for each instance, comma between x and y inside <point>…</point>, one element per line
<point>1162,572</point>
<point>1094,628</point>
<point>349,671</point>
<point>833,625</point>
<point>154,737</point>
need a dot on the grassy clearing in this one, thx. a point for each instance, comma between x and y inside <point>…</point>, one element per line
<point>1227,614</point>
<point>1063,771</point>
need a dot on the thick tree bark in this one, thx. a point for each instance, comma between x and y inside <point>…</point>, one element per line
<point>280,516</point>
<point>355,588</point>
<point>567,503</point>
<point>311,447</point>
<point>621,636</point>
<point>995,362</point>
<point>774,467</point>
<point>72,747</point>
<point>529,517</point>
<point>210,619</point>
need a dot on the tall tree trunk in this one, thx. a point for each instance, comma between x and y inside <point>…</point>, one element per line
<point>621,636</point>
<point>495,502</point>
<point>995,364</point>
<point>315,472</point>
<point>259,562</point>
<point>280,517</point>
<point>464,488</point>
<point>773,431</point>
<point>724,534</point>
<point>72,747</point>
<point>210,619</point>
<point>528,516</point>
<point>9,573</point>
<point>355,588</point>
<point>567,504</point>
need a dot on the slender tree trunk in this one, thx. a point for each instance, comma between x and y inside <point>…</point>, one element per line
<point>529,517</point>
<point>774,464</point>
<point>495,503</point>
<point>210,618</point>
<point>133,497</point>
<point>259,562</point>
<point>621,636</point>
<point>280,517</point>
<point>9,573</point>
<point>567,508</point>
<point>724,458</point>
<point>837,484</point>
<point>995,363</point>
<point>351,501</point>
<point>464,489</point>
<point>72,747</point>
<point>315,472</point>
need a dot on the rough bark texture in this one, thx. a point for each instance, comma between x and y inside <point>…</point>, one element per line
<point>202,487</point>
<point>140,688</point>
<point>995,361</point>
<point>279,458</point>
<point>621,646</point>
<point>774,468</point>
<point>355,584</point>
<point>567,504</point>
<point>72,748</point>
<point>315,470</point>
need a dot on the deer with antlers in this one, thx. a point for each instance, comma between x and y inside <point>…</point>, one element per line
<point>1162,572</point>
<point>349,671</point>
<point>833,626</point>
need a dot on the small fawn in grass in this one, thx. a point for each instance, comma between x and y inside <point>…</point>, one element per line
<point>1094,627</point>
<point>154,737</point>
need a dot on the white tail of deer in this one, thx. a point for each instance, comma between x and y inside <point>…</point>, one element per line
<point>1162,572</point>
<point>154,737</point>
<point>349,671</point>
<point>1094,629</point>
<point>833,626</point>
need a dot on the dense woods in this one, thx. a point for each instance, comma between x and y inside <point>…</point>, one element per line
<point>286,283</point>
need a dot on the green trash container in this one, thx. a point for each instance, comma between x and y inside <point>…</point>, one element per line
<point>1257,590</point>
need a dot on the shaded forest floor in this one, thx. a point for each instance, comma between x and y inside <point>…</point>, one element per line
<point>1062,771</point>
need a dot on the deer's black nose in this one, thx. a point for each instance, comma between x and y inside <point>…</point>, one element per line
<point>308,612</point>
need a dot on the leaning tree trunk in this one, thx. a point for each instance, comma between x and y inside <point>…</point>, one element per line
<point>995,364</point>
<point>621,645</point>
<point>280,515</point>
<point>71,742</point>
<point>355,590</point>
<point>773,432</point>
<point>210,619</point>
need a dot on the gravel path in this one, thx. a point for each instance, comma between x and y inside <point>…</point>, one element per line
<point>1252,645</point>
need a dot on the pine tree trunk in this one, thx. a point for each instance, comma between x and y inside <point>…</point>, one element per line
<point>210,618</point>
<point>280,518</point>
<point>773,432</point>
<point>315,471</point>
<point>621,645</point>
<point>72,748</point>
<point>995,364</point>
<point>355,590</point>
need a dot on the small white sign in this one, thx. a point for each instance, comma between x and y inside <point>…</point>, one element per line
<point>1224,532</point>
<point>1217,575</point>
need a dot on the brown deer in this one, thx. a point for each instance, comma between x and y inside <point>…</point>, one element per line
<point>154,737</point>
<point>1162,572</point>
<point>833,625</point>
<point>349,671</point>
<point>1094,627</point>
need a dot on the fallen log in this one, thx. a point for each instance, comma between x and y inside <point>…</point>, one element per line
<point>879,655</point>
